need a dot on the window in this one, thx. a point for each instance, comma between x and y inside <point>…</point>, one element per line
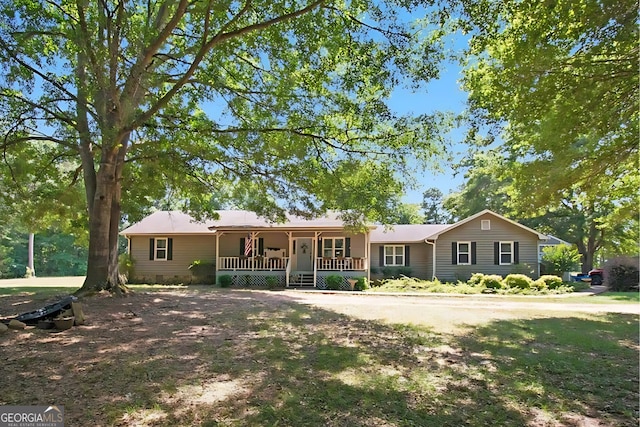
<point>333,247</point>
<point>506,253</point>
<point>393,255</point>
<point>161,249</point>
<point>464,253</point>
<point>485,224</point>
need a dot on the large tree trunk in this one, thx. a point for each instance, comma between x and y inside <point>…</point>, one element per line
<point>104,220</point>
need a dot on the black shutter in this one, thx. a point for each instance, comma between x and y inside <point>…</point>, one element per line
<point>152,247</point>
<point>381,260</point>
<point>347,244</point>
<point>320,253</point>
<point>242,246</point>
<point>516,253</point>
<point>169,249</point>
<point>454,253</point>
<point>407,261</point>
<point>261,246</point>
<point>473,253</point>
<point>496,253</point>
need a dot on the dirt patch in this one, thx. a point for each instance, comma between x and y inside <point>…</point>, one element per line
<point>236,358</point>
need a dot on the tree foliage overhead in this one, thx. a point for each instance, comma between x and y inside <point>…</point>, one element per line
<point>279,102</point>
<point>559,81</point>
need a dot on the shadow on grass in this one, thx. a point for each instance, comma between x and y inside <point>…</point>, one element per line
<point>241,359</point>
<point>622,296</point>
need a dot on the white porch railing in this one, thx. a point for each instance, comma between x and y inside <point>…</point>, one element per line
<point>252,263</point>
<point>341,264</point>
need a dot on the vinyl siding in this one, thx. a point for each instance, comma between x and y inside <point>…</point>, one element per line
<point>419,259</point>
<point>186,249</point>
<point>501,231</point>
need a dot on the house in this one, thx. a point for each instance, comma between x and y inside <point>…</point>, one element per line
<point>302,252</point>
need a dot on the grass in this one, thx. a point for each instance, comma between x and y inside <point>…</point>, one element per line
<point>220,358</point>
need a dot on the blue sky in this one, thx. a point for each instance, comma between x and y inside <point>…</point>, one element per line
<point>443,94</point>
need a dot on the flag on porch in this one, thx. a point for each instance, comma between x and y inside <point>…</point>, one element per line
<point>248,246</point>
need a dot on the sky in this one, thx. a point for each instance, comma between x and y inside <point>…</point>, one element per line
<point>443,94</point>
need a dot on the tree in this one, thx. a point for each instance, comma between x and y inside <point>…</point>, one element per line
<point>561,258</point>
<point>434,213</point>
<point>282,101</point>
<point>561,86</point>
<point>486,187</point>
<point>408,213</point>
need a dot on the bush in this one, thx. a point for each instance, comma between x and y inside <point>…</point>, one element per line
<point>334,282</point>
<point>539,285</point>
<point>621,274</point>
<point>272,282</point>
<point>476,279</point>
<point>125,265</point>
<point>226,281</point>
<point>362,284</point>
<point>518,281</point>
<point>560,258</point>
<point>551,281</point>
<point>492,281</point>
<point>395,272</point>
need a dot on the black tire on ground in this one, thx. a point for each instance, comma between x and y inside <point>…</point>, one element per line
<point>596,279</point>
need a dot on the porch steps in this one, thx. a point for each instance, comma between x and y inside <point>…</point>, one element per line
<point>302,280</point>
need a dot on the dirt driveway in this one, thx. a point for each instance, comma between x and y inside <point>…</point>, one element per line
<point>449,313</point>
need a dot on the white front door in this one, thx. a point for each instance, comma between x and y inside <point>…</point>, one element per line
<point>304,252</point>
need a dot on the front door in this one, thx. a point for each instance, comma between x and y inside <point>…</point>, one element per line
<point>304,251</point>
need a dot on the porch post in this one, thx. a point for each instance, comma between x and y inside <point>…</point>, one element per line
<point>217,266</point>
<point>287,267</point>
<point>367,250</point>
<point>314,255</point>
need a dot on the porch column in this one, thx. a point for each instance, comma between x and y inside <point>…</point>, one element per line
<point>288,266</point>
<point>314,255</point>
<point>217,266</point>
<point>367,250</point>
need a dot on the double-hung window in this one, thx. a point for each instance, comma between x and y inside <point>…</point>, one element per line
<point>333,247</point>
<point>506,253</point>
<point>464,253</point>
<point>161,249</point>
<point>393,255</point>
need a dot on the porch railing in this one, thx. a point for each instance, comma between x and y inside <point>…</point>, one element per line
<point>252,263</point>
<point>341,264</point>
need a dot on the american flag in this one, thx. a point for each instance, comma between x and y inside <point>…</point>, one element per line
<point>248,246</point>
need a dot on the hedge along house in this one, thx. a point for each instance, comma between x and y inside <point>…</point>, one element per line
<point>302,252</point>
<point>482,243</point>
<point>247,248</point>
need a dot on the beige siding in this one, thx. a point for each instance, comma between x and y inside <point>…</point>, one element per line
<point>186,249</point>
<point>419,259</point>
<point>501,231</point>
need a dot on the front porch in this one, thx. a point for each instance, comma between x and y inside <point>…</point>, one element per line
<point>287,256</point>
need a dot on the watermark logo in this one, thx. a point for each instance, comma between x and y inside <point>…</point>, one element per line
<point>31,416</point>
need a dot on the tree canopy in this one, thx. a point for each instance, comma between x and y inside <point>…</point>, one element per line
<point>558,82</point>
<point>279,103</point>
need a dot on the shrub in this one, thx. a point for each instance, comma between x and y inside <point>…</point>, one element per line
<point>539,285</point>
<point>395,272</point>
<point>125,265</point>
<point>518,281</point>
<point>334,282</point>
<point>551,281</point>
<point>362,284</point>
<point>621,274</point>
<point>492,281</point>
<point>476,279</point>
<point>561,258</point>
<point>226,281</point>
<point>272,282</point>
